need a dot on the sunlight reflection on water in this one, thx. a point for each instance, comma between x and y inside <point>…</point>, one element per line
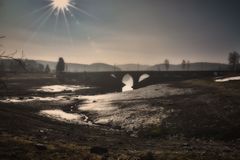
<point>61,88</point>
<point>66,117</point>
<point>31,99</point>
<point>228,79</point>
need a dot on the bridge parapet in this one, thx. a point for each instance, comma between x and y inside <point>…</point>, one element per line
<point>114,79</point>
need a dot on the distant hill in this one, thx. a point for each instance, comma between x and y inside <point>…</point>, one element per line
<point>199,66</point>
<point>100,67</point>
<point>133,67</point>
<point>74,67</point>
<point>39,66</point>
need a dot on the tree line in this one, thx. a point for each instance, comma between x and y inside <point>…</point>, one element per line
<point>8,63</point>
<point>185,64</point>
<point>233,62</point>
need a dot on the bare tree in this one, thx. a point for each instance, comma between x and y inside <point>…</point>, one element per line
<point>234,60</point>
<point>5,55</point>
<point>47,69</point>
<point>183,65</point>
<point>167,64</point>
<point>60,65</point>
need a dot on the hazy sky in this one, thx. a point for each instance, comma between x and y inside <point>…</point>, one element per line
<point>123,31</point>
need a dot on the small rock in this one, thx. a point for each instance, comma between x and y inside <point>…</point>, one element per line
<point>40,146</point>
<point>122,157</point>
<point>41,131</point>
<point>99,150</point>
<point>227,149</point>
<point>185,145</point>
<point>148,156</point>
<point>117,127</point>
<point>134,135</point>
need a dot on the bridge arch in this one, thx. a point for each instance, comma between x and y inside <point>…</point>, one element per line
<point>128,82</point>
<point>135,78</point>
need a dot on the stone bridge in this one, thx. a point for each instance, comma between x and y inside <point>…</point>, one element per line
<point>114,79</point>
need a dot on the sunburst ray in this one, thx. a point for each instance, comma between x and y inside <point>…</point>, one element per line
<point>61,8</point>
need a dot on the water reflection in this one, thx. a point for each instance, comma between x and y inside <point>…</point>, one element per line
<point>61,88</point>
<point>228,79</point>
<point>32,99</point>
<point>66,117</point>
<point>128,81</point>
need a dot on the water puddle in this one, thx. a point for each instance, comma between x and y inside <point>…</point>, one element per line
<point>127,110</point>
<point>32,99</point>
<point>228,79</point>
<point>94,106</point>
<point>66,117</point>
<point>61,88</point>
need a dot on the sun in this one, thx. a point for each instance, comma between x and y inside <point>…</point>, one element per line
<point>60,5</point>
<point>58,8</point>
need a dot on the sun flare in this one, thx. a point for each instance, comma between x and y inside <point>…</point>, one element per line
<point>63,11</point>
<point>60,4</point>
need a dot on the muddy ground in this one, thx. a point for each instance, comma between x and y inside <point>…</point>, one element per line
<point>202,125</point>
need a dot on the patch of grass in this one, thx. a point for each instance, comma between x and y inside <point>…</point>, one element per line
<point>153,132</point>
<point>18,147</point>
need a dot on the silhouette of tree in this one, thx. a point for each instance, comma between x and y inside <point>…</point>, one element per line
<point>47,69</point>
<point>167,64</point>
<point>60,65</point>
<point>183,65</point>
<point>40,68</point>
<point>4,55</point>
<point>234,60</point>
